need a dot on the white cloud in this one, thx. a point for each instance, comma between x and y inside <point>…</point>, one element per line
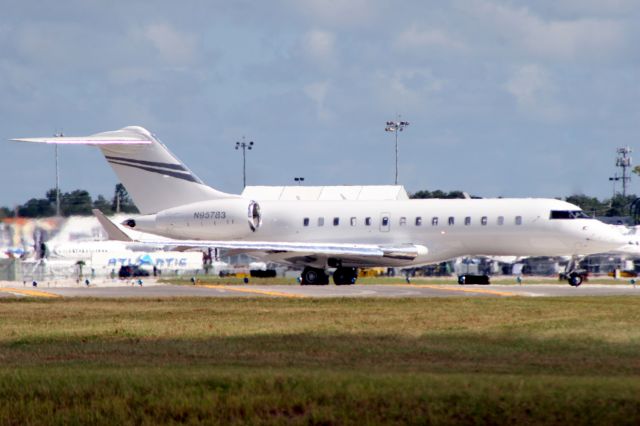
<point>131,74</point>
<point>570,39</point>
<point>337,13</point>
<point>593,7</point>
<point>534,91</point>
<point>414,82</point>
<point>556,39</point>
<point>319,46</point>
<point>406,89</point>
<point>416,38</point>
<point>528,83</point>
<point>317,92</point>
<point>174,47</point>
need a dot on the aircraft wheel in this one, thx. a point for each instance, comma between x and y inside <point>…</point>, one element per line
<point>314,276</point>
<point>345,276</point>
<point>575,280</point>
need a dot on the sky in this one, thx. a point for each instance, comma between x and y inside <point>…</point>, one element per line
<point>504,98</point>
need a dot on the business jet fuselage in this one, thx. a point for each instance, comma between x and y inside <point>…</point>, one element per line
<point>416,231</point>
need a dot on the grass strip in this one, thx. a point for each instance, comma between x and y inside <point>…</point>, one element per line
<point>320,361</point>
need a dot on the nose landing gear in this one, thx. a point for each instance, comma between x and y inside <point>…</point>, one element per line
<point>573,274</point>
<point>575,279</point>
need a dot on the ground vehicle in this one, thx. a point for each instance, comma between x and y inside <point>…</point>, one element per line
<point>129,271</point>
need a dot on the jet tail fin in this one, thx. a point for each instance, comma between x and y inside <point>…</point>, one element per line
<point>152,175</point>
<point>113,232</point>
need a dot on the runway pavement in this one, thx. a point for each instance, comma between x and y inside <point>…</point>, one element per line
<point>156,290</point>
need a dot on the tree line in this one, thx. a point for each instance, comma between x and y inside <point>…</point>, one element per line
<point>74,203</point>
<point>80,203</point>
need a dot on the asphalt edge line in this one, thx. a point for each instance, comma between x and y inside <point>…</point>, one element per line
<point>257,291</point>
<point>463,290</point>
<point>25,292</point>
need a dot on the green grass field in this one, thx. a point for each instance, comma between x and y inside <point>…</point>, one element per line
<point>327,361</point>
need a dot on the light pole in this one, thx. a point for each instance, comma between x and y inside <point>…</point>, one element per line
<point>299,180</point>
<point>395,127</point>
<point>614,179</point>
<point>245,146</point>
<point>57,135</point>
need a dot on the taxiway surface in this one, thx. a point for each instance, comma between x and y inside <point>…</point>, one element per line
<point>290,291</point>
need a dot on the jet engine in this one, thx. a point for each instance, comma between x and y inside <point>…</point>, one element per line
<point>225,219</point>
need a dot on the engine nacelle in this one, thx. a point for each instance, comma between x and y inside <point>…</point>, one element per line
<point>233,218</point>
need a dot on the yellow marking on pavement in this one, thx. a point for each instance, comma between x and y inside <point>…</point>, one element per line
<point>257,291</point>
<point>25,292</point>
<point>462,289</point>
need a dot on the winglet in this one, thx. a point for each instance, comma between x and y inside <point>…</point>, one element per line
<point>113,232</point>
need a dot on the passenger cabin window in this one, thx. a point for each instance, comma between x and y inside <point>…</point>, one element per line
<point>403,221</point>
<point>569,214</point>
<point>321,221</point>
<point>336,221</point>
<point>518,220</point>
<point>467,220</point>
<point>385,221</point>
<point>418,221</point>
<point>305,221</point>
<point>434,221</point>
<point>354,221</point>
<point>500,220</point>
<point>451,220</point>
<point>367,221</point>
<point>483,221</point>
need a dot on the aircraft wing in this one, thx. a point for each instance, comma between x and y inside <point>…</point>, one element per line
<point>298,252</point>
<point>286,252</point>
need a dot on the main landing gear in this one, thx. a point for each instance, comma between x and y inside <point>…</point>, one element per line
<point>314,276</point>
<point>317,276</point>
<point>345,276</point>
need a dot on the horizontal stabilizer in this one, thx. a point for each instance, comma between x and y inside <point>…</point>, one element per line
<point>87,140</point>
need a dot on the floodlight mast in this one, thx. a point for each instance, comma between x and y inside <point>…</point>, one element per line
<point>245,146</point>
<point>395,127</point>
<point>614,179</point>
<point>58,135</point>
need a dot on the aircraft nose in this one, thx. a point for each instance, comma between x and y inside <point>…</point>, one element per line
<point>604,237</point>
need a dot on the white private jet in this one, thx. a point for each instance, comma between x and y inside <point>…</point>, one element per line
<point>336,234</point>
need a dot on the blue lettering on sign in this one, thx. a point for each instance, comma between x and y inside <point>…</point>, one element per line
<point>146,259</point>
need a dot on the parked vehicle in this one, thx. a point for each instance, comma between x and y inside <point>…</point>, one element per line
<point>129,271</point>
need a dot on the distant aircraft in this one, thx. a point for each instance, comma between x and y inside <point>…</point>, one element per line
<point>105,256</point>
<point>344,235</point>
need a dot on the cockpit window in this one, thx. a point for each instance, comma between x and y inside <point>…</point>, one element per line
<point>569,214</point>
